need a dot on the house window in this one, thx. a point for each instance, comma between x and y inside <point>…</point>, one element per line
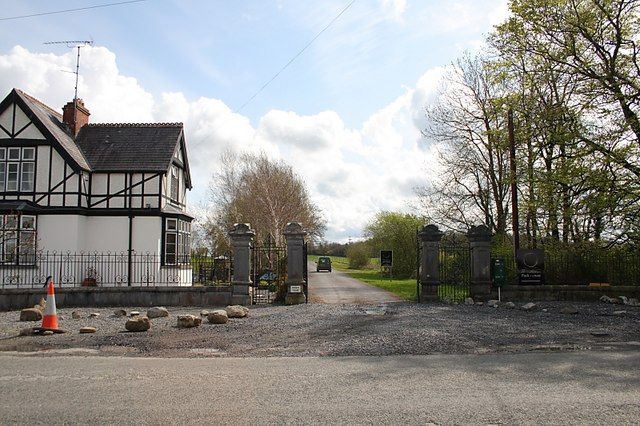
<point>17,169</point>
<point>177,242</point>
<point>174,184</point>
<point>18,239</point>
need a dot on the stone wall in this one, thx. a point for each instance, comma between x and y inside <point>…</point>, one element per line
<point>539,293</point>
<point>118,296</point>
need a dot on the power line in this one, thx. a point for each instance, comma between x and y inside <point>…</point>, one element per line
<point>297,55</point>
<point>97,6</point>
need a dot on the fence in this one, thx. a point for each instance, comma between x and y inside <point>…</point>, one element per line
<point>116,270</point>
<point>582,266</point>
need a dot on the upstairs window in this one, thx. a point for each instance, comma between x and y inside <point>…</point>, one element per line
<point>17,169</point>
<point>175,184</point>
<point>18,239</point>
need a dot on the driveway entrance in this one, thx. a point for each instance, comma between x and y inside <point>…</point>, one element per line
<point>337,287</point>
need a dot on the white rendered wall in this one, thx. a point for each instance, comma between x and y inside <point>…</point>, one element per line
<point>106,234</point>
<point>60,233</point>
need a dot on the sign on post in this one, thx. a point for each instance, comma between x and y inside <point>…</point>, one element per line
<point>499,272</point>
<point>386,258</point>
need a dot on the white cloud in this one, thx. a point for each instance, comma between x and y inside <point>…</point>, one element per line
<point>352,173</point>
<point>395,7</point>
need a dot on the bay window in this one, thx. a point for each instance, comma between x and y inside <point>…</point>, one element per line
<point>177,242</point>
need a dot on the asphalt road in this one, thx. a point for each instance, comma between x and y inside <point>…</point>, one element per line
<point>337,287</point>
<point>534,388</point>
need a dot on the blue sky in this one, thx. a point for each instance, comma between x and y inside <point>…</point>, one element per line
<point>358,91</point>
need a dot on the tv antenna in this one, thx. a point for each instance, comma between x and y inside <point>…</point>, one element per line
<point>74,44</point>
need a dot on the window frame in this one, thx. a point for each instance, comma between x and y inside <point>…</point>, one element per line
<point>15,162</point>
<point>13,235</point>
<point>176,248</point>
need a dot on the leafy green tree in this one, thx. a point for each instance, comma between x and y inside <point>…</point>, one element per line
<point>358,255</point>
<point>396,231</point>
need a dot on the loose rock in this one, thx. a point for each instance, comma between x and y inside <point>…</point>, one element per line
<point>619,313</point>
<point>138,323</point>
<point>479,303</point>
<point>204,313</point>
<point>26,331</point>
<point>30,314</point>
<point>510,305</point>
<point>119,313</point>
<point>493,303</point>
<point>75,315</point>
<point>188,321</point>
<point>529,307</point>
<point>237,311</point>
<point>633,302</point>
<point>41,305</point>
<point>569,310</point>
<point>47,333</point>
<point>94,315</point>
<point>157,312</point>
<point>218,317</point>
<point>86,330</point>
<point>134,313</point>
<point>469,301</point>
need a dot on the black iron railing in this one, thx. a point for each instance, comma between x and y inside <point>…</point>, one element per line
<point>116,270</point>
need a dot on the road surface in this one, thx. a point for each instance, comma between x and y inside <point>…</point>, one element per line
<point>584,387</point>
<point>337,287</point>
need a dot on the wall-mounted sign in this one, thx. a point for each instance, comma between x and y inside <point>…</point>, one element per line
<point>295,289</point>
<point>386,258</point>
<point>530,266</point>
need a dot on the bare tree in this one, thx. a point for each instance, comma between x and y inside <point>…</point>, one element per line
<point>264,192</point>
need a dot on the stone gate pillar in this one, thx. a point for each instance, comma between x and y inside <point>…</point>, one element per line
<point>294,235</point>
<point>241,238</point>
<point>480,244</point>
<point>430,237</point>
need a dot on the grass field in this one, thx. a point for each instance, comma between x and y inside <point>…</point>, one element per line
<point>405,289</point>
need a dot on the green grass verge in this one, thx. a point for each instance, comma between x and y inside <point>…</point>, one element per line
<point>406,288</point>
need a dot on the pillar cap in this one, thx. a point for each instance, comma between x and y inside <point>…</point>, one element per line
<point>294,228</point>
<point>430,233</point>
<point>240,229</point>
<point>479,233</point>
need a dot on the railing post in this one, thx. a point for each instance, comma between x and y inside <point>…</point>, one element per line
<point>480,245</point>
<point>241,238</point>
<point>430,237</point>
<point>294,236</point>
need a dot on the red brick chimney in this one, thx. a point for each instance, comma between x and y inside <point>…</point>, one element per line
<point>75,115</point>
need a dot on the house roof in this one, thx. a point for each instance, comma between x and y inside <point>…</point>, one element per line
<point>129,147</point>
<point>52,122</point>
<point>115,147</point>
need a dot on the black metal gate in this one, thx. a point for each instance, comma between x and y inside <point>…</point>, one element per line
<point>455,272</point>
<point>268,272</point>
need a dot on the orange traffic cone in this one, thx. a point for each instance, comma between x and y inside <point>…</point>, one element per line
<point>50,318</point>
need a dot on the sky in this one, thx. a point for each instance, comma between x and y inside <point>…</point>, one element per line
<point>346,114</point>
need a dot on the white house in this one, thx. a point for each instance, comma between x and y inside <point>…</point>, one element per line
<point>73,187</point>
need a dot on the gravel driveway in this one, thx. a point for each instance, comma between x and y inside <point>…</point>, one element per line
<point>333,330</point>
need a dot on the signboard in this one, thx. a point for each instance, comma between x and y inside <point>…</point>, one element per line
<point>499,272</point>
<point>295,289</point>
<point>530,266</point>
<point>386,258</point>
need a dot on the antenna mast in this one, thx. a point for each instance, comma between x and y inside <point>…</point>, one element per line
<point>74,44</point>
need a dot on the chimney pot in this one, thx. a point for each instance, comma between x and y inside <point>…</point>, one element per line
<point>75,115</point>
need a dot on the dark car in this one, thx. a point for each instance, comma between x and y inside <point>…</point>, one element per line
<point>323,264</point>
